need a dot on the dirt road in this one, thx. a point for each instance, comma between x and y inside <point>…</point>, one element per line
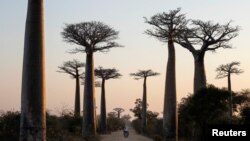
<point>118,136</point>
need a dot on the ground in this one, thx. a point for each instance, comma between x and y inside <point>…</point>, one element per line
<point>118,136</point>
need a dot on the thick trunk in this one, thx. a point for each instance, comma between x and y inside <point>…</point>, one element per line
<point>103,120</point>
<point>33,119</point>
<point>89,107</point>
<point>169,113</point>
<point>199,71</point>
<point>77,97</point>
<point>144,107</point>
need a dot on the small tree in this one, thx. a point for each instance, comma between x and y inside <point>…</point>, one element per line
<point>105,74</point>
<point>119,111</point>
<point>90,37</point>
<point>226,71</point>
<point>73,69</point>
<point>144,74</point>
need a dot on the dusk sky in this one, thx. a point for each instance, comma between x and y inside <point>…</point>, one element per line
<point>139,52</point>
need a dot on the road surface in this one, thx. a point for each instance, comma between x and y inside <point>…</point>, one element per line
<point>118,136</point>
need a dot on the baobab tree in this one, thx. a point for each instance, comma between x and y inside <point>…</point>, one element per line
<point>119,111</point>
<point>73,69</point>
<point>105,74</point>
<point>33,119</point>
<point>167,27</point>
<point>208,36</point>
<point>226,71</point>
<point>144,74</point>
<point>90,37</point>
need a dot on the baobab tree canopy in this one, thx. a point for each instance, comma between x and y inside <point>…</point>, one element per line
<point>143,74</point>
<point>106,74</point>
<point>71,67</point>
<point>167,26</point>
<point>208,35</point>
<point>95,36</point>
<point>227,69</point>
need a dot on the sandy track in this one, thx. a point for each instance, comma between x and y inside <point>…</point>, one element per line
<point>118,136</point>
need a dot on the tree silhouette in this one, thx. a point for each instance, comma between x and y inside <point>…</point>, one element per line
<point>144,74</point>
<point>226,71</point>
<point>210,37</point>
<point>105,74</point>
<point>167,27</point>
<point>90,37</point>
<point>119,111</point>
<point>33,117</point>
<point>72,68</point>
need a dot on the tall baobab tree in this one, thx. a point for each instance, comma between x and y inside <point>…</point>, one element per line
<point>73,69</point>
<point>210,37</point>
<point>105,74</point>
<point>144,74</point>
<point>119,111</point>
<point>226,71</point>
<point>33,119</point>
<point>90,37</point>
<point>167,27</point>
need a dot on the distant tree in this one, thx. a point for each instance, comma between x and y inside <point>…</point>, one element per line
<point>137,110</point>
<point>33,116</point>
<point>126,117</point>
<point>73,69</point>
<point>210,37</point>
<point>144,74</point>
<point>114,123</point>
<point>90,37</point>
<point>119,111</point>
<point>167,27</point>
<point>226,71</point>
<point>105,74</point>
<point>112,114</point>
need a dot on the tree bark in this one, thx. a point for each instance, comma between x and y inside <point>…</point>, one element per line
<point>33,119</point>
<point>103,120</point>
<point>199,71</point>
<point>231,98</point>
<point>77,97</point>
<point>144,107</point>
<point>89,106</point>
<point>169,113</point>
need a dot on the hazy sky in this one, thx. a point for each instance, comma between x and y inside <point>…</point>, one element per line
<point>140,51</point>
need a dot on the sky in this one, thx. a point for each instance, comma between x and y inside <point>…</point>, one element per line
<point>140,52</point>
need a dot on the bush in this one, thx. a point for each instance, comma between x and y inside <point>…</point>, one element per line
<point>9,126</point>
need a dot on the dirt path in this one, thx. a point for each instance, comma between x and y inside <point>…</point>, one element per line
<point>118,136</point>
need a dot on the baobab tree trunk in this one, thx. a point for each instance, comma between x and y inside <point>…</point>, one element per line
<point>33,119</point>
<point>231,98</point>
<point>169,113</point>
<point>103,120</point>
<point>199,71</point>
<point>77,97</point>
<point>144,107</point>
<point>89,114</point>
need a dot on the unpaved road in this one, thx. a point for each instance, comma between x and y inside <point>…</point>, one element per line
<point>118,136</point>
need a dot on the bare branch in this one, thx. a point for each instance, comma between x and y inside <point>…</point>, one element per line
<point>71,67</point>
<point>228,69</point>
<point>143,74</point>
<point>90,36</point>
<point>107,73</point>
